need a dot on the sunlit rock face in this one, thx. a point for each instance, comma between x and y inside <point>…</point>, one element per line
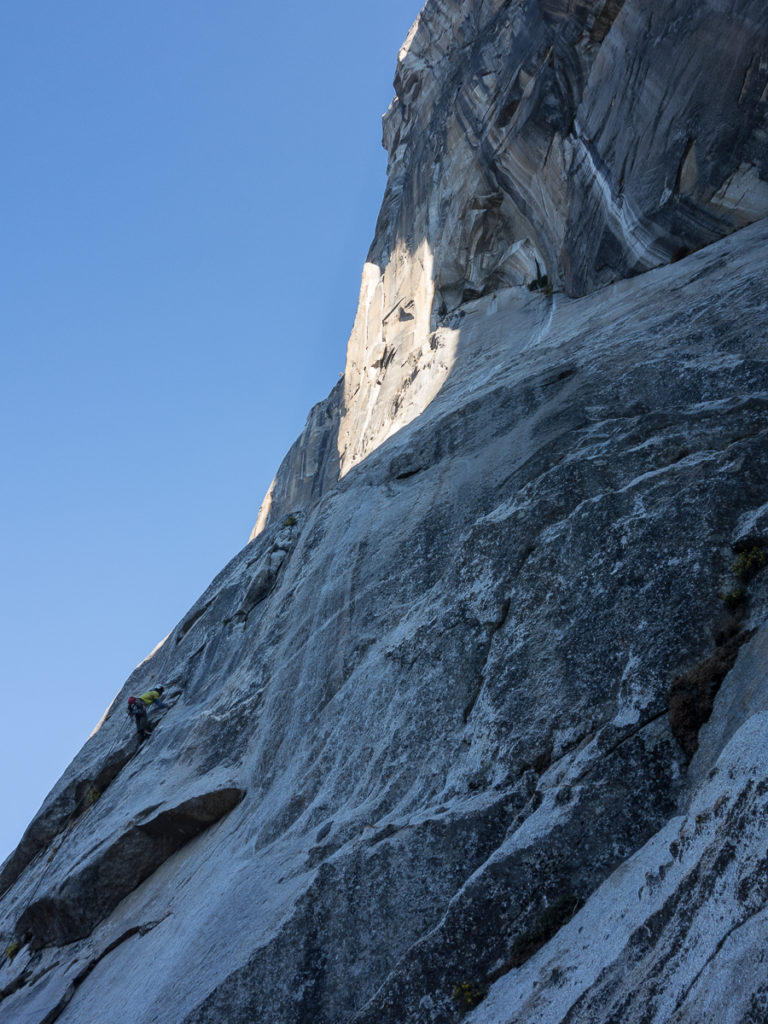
<point>582,141</point>
<point>472,727</point>
<point>577,143</point>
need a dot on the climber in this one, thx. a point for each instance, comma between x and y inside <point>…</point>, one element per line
<point>138,706</point>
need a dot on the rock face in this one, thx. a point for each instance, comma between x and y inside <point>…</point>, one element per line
<point>310,467</point>
<point>552,142</point>
<point>646,946</point>
<point>440,743</point>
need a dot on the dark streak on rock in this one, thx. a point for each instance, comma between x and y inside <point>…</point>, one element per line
<point>692,694</point>
<point>494,629</point>
<point>190,620</point>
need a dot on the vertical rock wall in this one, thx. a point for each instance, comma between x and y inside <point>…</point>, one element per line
<point>556,145</point>
<point>550,144</point>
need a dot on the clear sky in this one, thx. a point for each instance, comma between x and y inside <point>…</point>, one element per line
<point>188,194</point>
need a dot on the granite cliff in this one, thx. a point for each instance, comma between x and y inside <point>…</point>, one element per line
<point>474,725</point>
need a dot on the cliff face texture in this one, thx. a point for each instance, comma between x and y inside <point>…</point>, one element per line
<point>474,727</point>
<point>577,141</point>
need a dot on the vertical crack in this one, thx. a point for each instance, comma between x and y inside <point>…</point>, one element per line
<point>493,630</point>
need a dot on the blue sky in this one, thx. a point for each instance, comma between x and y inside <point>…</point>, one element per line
<point>189,192</point>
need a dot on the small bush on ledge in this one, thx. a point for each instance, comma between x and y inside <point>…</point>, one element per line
<point>749,563</point>
<point>467,995</point>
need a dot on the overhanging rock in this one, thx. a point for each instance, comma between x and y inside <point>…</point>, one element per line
<point>114,869</point>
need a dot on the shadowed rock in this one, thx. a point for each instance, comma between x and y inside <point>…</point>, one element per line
<point>61,808</point>
<point>112,871</point>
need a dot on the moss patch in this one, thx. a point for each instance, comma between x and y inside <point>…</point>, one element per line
<point>12,949</point>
